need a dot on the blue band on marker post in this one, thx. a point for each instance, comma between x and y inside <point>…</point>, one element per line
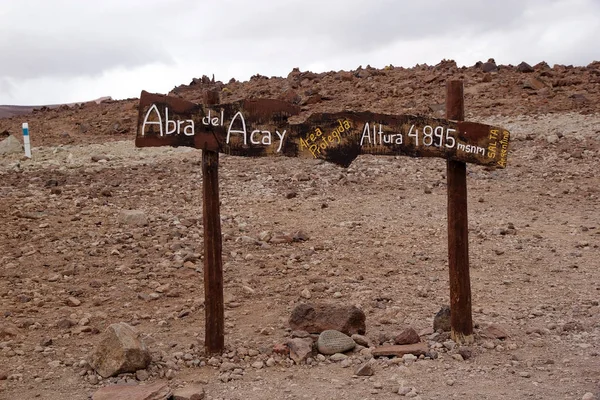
<point>25,131</point>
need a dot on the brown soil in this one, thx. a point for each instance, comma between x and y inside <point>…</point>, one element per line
<point>377,239</point>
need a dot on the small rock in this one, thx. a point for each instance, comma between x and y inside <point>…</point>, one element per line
<point>99,157</point>
<point>588,396</point>
<point>400,350</point>
<point>305,293</point>
<point>524,374</point>
<point>136,218</point>
<point>465,352</point>
<point>8,330</point>
<point>449,344</point>
<point>552,138</point>
<point>141,375</point>
<point>299,349</point>
<point>442,319</point>
<point>407,336</point>
<point>73,302</point>
<point>10,145</point>
<point>403,390</point>
<point>301,236</point>
<point>154,391</point>
<point>493,332</point>
<point>365,369</point>
<point>361,340</point>
<point>337,357</point>
<point>258,365</point>
<point>489,345</point>
<point>458,357</point>
<point>192,392</point>
<point>120,350</point>
<point>524,67</point>
<point>332,341</point>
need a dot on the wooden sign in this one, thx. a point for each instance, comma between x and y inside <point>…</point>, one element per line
<point>260,127</point>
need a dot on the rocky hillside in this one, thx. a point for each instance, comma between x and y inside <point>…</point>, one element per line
<point>490,90</point>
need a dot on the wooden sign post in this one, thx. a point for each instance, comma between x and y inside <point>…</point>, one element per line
<point>458,229</point>
<point>214,327</point>
<point>260,128</point>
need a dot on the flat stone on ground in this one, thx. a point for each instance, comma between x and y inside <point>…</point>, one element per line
<point>154,391</point>
<point>332,341</point>
<point>192,392</point>
<point>399,350</point>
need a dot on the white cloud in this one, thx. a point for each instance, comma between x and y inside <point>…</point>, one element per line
<point>71,50</point>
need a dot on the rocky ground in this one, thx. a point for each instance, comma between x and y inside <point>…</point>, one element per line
<point>70,265</point>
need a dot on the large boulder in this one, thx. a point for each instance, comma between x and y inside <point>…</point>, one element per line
<point>316,318</point>
<point>10,145</point>
<point>120,350</point>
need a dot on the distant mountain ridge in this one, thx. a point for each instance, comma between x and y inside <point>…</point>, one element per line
<point>7,111</point>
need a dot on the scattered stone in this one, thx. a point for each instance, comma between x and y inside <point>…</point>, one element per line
<point>8,330</point>
<point>524,67</point>
<point>399,350</point>
<point>100,157</point>
<point>407,336</point>
<point>552,138</point>
<point>489,66</point>
<point>154,391</point>
<point>534,83</point>
<point>442,320</point>
<point>524,374</point>
<point>489,345</point>
<point>493,332</point>
<point>142,375</point>
<point>337,357</point>
<point>332,341</point>
<point>365,369</point>
<point>3,376</point>
<point>465,352</point>
<point>361,340</point>
<point>73,302</point>
<point>120,350</point>
<point>449,344</point>
<point>588,396</point>
<point>458,357</point>
<point>299,349</point>
<point>305,293</point>
<point>258,365</point>
<point>65,323</point>
<point>316,318</point>
<point>192,392</point>
<point>301,236</point>
<point>573,326</point>
<point>136,218</point>
<point>10,145</point>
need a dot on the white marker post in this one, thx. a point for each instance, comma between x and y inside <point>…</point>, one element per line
<point>26,140</point>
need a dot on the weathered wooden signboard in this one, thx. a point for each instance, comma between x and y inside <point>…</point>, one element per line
<point>264,127</point>
<point>260,127</point>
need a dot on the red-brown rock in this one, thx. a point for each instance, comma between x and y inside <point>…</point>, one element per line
<point>399,350</point>
<point>154,391</point>
<point>316,318</point>
<point>407,336</point>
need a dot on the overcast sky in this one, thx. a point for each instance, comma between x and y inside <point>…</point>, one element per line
<point>57,51</point>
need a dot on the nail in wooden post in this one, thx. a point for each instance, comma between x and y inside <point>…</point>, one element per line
<point>213,263</point>
<point>458,229</point>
